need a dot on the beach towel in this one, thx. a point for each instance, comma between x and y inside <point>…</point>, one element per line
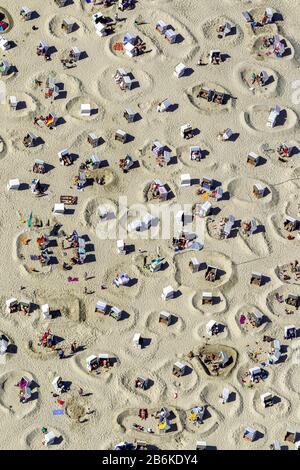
<point>34,257</point>
<point>58,412</point>
<point>72,279</point>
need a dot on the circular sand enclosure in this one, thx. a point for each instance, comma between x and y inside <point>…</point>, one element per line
<point>287,274</point>
<point>214,351</point>
<point>281,406</point>
<point>197,280</point>
<point>73,108</point>
<point>148,197</point>
<point>34,440</point>
<point>184,385</point>
<point>243,444</point>
<point>218,306</point>
<point>130,289</point>
<point>210,107</point>
<point>10,396</point>
<point>212,393</point>
<point>209,424</point>
<point>129,417</point>
<point>91,213</point>
<point>244,75</point>
<point>279,229</point>
<point>165,270</point>
<point>276,302</point>
<point>56,30</point>
<point>256,119</point>
<point>116,48</point>
<point>176,327</point>
<point>148,159</point>
<point>242,189</point>
<point>244,319</point>
<point>210,32</point>
<point>155,386</point>
<point>267,53</point>
<point>110,90</point>
<point>6,18</point>
<point>207,157</point>
<point>214,228</point>
<point>103,374</point>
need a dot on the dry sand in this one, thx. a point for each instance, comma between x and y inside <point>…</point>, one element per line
<point>111,395</point>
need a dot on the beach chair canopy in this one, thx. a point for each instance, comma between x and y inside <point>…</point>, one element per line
<point>180,70</point>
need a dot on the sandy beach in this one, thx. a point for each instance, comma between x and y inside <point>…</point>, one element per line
<point>102,408</point>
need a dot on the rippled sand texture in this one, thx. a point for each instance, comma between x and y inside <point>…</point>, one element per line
<point>106,413</point>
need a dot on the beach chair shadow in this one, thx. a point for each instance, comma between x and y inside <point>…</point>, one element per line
<point>90,258</point>
<point>215,211</point>
<point>23,187</point>
<point>11,348</point>
<point>56,313</point>
<point>281,118</point>
<point>216,300</point>
<point>129,138</point>
<point>60,121</point>
<point>21,105</point>
<point>34,15</point>
<point>146,342</point>
<point>52,50</point>
<point>132,282</point>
